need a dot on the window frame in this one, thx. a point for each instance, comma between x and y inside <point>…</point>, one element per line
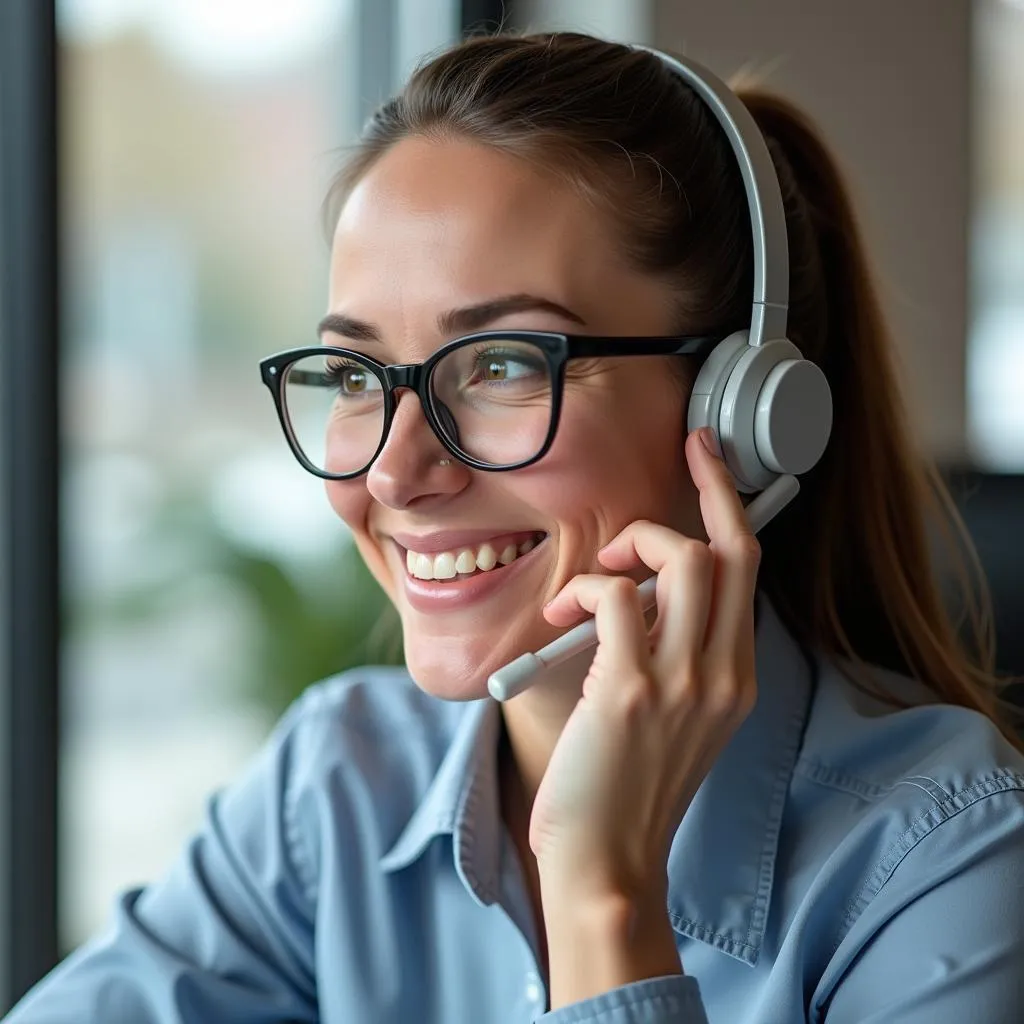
<point>29,431</point>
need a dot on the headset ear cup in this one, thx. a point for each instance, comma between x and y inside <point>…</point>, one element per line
<point>705,401</point>
<point>770,409</point>
<point>793,417</point>
<point>776,413</point>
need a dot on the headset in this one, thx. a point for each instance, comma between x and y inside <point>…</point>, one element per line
<point>770,409</point>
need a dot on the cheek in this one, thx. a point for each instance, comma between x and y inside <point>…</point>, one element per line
<point>623,460</point>
<point>351,502</point>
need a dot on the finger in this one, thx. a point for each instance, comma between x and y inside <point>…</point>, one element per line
<point>737,553</point>
<point>615,605</point>
<point>725,518</point>
<point>685,596</point>
<point>684,590</point>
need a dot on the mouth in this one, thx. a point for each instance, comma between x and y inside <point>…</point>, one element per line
<point>469,561</point>
<point>466,576</point>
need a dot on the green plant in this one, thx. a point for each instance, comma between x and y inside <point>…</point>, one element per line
<point>309,619</point>
<point>312,625</point>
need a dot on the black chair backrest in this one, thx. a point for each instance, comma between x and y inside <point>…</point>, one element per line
<point>992,506</point>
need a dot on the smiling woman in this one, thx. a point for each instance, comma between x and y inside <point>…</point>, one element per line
<point>437,228</point>
<point>766,801</point>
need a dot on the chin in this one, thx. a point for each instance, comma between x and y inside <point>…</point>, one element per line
<point>448,673</point>
<point>451,657</point>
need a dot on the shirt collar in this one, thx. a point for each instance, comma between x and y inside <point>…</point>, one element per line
<point>462,801</point>
<point>722,862</point>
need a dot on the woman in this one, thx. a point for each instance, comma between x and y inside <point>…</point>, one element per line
<point>789,799</point>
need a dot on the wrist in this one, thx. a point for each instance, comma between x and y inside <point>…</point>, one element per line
<point>599,943</point>
<point>602,896</point>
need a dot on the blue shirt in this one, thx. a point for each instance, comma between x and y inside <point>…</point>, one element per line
<point>841,863</point>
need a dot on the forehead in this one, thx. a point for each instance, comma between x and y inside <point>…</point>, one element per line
<point>443,221</point>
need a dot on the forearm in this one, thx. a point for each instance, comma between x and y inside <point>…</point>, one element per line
<point>597,946</point>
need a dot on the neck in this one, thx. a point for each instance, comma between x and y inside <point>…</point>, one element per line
<point>533,723</point>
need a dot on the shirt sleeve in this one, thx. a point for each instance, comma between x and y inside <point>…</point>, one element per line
<point>671,1000</point>
<point>225,938</point>
<point>947,939</point>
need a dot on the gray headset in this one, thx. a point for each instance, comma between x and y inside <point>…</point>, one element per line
<point>770,408</point>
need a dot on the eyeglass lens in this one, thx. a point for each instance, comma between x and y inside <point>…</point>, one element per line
<point>492,400</point>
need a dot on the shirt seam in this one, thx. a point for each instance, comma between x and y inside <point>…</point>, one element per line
<point>923,826</point>
<point>770,848</point>
<point>836,779</point>
<point>299,856</point>
<point>717,940</point>
<point>854,785</point>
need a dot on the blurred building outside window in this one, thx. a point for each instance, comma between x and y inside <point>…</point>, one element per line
<point>207,581</point>
<point>627,21</point>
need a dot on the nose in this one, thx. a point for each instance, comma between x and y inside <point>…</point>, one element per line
<point>408,469</point>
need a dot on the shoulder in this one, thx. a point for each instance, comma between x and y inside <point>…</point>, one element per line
<point>892,804</point>
<point>857,742</point>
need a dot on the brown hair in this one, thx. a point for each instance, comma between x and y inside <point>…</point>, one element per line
<point>848,566</point>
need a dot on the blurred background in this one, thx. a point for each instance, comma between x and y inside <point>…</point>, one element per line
<point>171,578</point>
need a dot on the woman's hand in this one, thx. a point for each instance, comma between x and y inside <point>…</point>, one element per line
<point>657,707</point>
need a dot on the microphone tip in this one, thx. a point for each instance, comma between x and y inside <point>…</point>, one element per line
<point>515,677</point>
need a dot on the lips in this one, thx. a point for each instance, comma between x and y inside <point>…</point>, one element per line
<point>464,589</point>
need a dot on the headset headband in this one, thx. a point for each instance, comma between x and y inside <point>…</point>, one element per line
<point>764,197</point>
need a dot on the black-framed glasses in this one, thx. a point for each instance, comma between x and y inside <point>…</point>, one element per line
<point>492,398</point>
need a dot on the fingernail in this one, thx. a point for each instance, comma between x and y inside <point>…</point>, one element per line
<point>707,438</point>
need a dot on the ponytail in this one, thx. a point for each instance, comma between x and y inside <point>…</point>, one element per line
<point>849,567</point>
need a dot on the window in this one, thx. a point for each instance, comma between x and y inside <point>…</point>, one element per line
<point>207,580</point>
<point>995,363</point>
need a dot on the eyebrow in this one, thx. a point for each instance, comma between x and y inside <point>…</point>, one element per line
<point>453,321</point>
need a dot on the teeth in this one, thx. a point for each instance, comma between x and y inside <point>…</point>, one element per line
<point>486,558</point>
<point>446,565</point>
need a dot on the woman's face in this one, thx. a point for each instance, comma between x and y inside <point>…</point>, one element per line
<point>436,227</point>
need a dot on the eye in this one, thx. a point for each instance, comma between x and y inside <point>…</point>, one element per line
<point>495,365</point>
<point>351,378</point>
